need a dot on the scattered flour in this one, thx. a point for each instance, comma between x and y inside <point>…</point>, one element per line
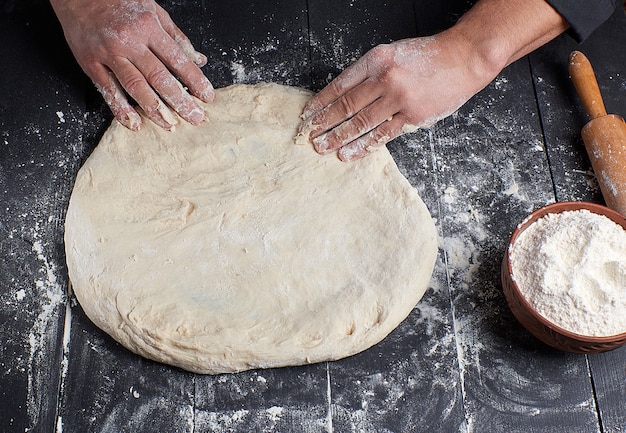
<point>20,295</point>
<point>571,267</point>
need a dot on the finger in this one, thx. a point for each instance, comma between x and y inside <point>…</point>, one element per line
<point>361,123</point>
<point>345,107</point>
<point>170,53</point>
<point>169,88</point>
<point>179,37</point>
<point>135,84</point>
<point>345,81</point>
<point>115,98</point>
<point>374,139</point>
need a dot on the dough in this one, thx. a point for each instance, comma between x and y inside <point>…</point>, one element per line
<point>227,246</point>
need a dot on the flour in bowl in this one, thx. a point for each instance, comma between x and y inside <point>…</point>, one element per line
<point>571,267</point>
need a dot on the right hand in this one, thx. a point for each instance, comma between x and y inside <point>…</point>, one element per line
<point>393,89</point>
<point>133,47</point>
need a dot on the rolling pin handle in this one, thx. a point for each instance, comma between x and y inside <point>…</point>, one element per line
<point>584,80</point>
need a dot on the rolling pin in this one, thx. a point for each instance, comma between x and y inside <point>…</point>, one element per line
<point>604,135</point>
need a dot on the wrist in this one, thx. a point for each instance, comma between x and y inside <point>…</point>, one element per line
<point>487,52</point>
<point>498,32</point>
<point>480,58</point>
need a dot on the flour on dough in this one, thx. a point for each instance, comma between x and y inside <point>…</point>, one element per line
<point>226,246</point>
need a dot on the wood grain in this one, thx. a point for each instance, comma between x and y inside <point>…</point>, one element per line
<point>460,362</point>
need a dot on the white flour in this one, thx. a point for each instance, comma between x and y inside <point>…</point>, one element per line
<point>571,267</point>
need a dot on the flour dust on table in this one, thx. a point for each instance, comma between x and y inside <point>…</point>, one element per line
<point>228,246</point>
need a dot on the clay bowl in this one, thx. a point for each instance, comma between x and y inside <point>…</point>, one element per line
<point>536,324</point>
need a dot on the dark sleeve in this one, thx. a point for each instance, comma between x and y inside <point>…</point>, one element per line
<point>584,16</point>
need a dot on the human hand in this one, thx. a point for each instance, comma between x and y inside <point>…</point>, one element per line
<point>413,83</point>
<point>391,90</point>
<point>133,47</point>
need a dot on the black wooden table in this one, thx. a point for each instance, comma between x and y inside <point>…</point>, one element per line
<point>460,361</point>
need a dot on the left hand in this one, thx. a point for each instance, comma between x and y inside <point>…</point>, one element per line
<point>391,90</point>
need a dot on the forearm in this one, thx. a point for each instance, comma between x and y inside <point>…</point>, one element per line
<point>499,32</point>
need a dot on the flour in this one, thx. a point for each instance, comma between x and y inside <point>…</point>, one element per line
<point>571,267</point>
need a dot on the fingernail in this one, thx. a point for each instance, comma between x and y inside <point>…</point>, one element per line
<point>207,94</point>
<point>307,111</point>
<point>321,144</point>
<point>199,58</point>
<point>133,121</point>
<point>196,116</point>
<point>357,150</point>
<point>311,108</point>
<point>130,120</point>
<point>348,153</point>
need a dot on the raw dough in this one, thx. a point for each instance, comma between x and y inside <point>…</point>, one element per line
<point>225,246</point>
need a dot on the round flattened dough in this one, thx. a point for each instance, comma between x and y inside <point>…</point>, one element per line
<point>226,246</point>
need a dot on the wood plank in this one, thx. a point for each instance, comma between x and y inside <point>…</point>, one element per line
<point>434,16</point>
<point>480,405</point>
<point>491,403</point>
<point>284,399</point>
<point>248,42</point>
<point>341,32</point>
<point>563,117</point>
<point>494,172</point>
<point>37,108</point>
<point>608,372</point>
<point>409,381</point>
<point>460,362</point>
<point>561,111</point>
<point>107,387</point>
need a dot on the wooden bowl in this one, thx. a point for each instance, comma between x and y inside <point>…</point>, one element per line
<point>535,323</point>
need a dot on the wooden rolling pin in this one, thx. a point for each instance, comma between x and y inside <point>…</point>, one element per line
<point>604,135</point>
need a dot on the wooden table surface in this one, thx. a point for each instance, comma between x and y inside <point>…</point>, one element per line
<point>459,362</point>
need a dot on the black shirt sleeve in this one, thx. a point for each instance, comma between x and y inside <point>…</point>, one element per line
<point>584,16</point>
